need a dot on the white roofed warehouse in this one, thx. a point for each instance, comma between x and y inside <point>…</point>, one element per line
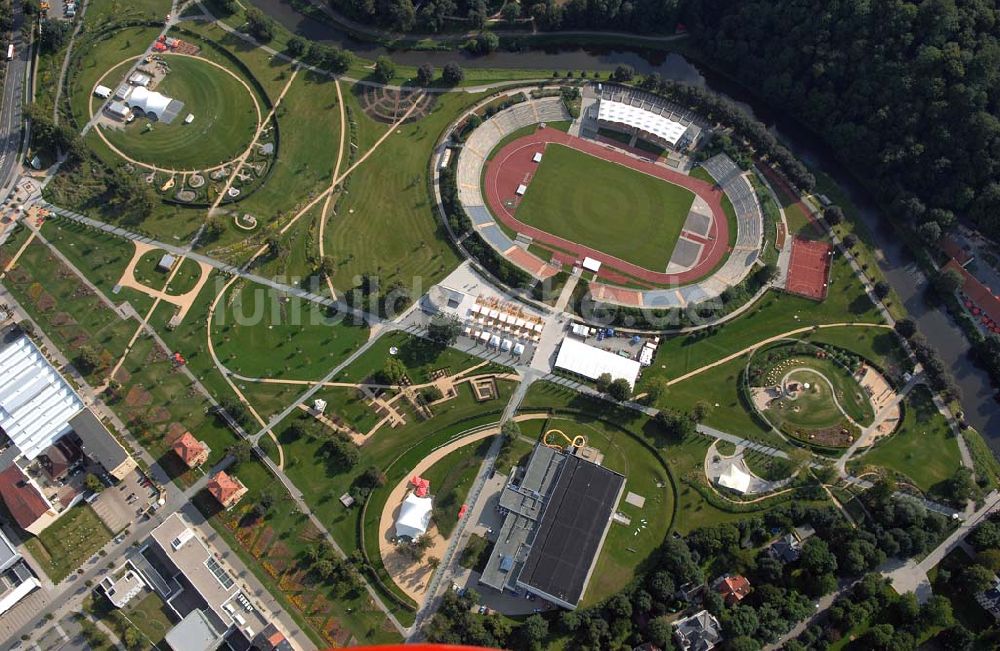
<point>590,362</point>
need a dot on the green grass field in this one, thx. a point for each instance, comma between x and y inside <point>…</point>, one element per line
<point>584,199</point>
<point>923,448</point>
<point>69,541</point>
<point>451,478</point>
<point>224,122</point>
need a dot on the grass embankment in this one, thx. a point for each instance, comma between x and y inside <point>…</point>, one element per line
<point>69,541</point>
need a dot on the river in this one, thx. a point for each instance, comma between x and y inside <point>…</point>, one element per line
<point>981,410</point>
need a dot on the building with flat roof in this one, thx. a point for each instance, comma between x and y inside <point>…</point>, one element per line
<point>191,578</point>
<point>592,362</point>
<point>557,510</point>
<point>100,446</point>
<point>16,578</point>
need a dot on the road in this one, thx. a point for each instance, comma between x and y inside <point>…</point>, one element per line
<point>11,121</point>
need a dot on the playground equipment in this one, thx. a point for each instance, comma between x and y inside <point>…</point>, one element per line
<point>578,441</point>
<point>169,184</point>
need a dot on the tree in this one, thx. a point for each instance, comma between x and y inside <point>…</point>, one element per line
<point>675,425</point>
<point>241,451</point>
<point>660,632</point>
<point>133,638</point>
<point>372,477</point>
<point>511,11</point>
<point>974,578</point>
<point>93,483</point>
<point>444,331</point>
<point>531,633</point>
<point>385,69</point>
<point>833,215</point>
<point>948,281</point>
<point>817,558</point>
<point>906,328</point>
<point>425,74</point>
<point>985,536</point>
<point>936,613</point>
<point>620,389</point>
<point>850,240</point>
<point>452,74</point>
<point>87,360</point>
<point>259,25</point>
<point>623,72</point>
<point>394,371</point>
<point>296,46</point>
<point>602,382</point>
<point>929,232</point>
<point>961,486</point>
<point>53,35</point>
<point>881,289</point>
<point>655,389</point>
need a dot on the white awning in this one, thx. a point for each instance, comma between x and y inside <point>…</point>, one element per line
<point>521,189</point>
<point>591,362</point>
<point>414,516</point>
<point>735,479</point>
<point>537,157</point>
<point>638,118</point>
<point>591,264</point>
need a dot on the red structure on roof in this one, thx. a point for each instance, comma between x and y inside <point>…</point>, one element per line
<point>420,486</point>
<point>733,588</point>
<point>462,511</point>
<point>23,500</point>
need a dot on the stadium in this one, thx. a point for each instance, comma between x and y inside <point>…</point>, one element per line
<point>609,194</point>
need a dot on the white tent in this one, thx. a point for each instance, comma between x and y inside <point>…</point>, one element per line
<point>590,264</point>
<point>414,516</point>
<point>590,362</point>
<point>151,102</point>
<point>736,479</point>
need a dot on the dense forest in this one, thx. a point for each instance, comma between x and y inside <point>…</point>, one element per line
<point>907,93</point>
<point>437,15</point>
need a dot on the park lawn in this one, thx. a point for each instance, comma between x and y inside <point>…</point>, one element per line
<point>626,549</point>
<point>273,549</point>
<point>225,118</point>
<point>65,309</point>
<point>776,313</point>
<point>115,11</point>
<point>262,334</point>
<point>420,356</point>
<point>923,448</point>
<point>718,389</point>
<point>153,389</point>
<point>186,277</point>
<point>581,197</point>
<point>151,616</point>
<point>395,451</point>
<point>386,222</point>
<point>517,454</point>
<point>69,541</point>
<point>878,345</point>
<point>451,478</point>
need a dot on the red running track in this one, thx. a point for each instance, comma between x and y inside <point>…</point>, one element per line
<point>513,166</point>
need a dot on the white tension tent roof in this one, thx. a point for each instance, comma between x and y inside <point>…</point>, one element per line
<point>36,403</point>
<point>414,516</point>
<point>149,101</point>
<point>736,479</point>
<point>638,118</point>
<point>590,362</point>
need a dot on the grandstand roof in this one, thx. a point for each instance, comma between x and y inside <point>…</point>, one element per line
<point>639,118</point>
<point>590,362</point>
<point>36,403</point>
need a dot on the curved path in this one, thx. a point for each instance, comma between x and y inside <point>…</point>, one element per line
<point>154,168</point>
<point>506,170</point>
<point>764,342</point>
<point>829,385</point>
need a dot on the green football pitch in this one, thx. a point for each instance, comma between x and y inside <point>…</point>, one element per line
<point>224,120</point>
<point>606,206</point>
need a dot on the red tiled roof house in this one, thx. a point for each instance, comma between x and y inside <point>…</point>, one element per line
<point>732,588</point>
<point>191,451</point>
<point>25,502</point>
<point>225,489</point>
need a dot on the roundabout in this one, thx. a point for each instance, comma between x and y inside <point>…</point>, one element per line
<point>226,111</point>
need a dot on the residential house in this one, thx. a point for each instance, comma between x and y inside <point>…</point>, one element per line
<point>225,489</point>
<point>733,588</point>
<point>698,632</point>
<point>191,451</point>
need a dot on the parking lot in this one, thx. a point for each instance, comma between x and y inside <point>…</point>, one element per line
<point>120,505</point>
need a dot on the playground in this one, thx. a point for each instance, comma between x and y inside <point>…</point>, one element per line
<point>808,393</point>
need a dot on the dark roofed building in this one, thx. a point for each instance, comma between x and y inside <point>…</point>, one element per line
<point>571,532</point>
<point>698,632</point>
<point>786,549</point>
<point>557,513</point>
<point>100,446</point>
